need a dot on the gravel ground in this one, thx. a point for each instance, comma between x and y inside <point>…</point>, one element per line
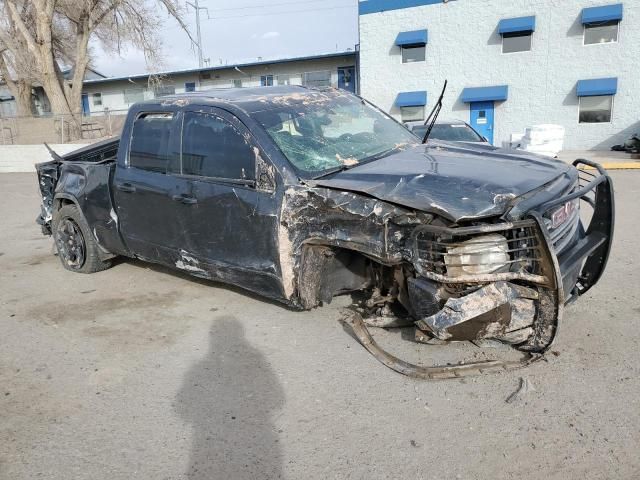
<point>139,372</point>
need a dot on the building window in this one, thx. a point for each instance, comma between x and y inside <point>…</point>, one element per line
<point>190,87</point>
<point>97,99</point>
<point>133,95</point>
<point>516,42</point>
<point>164,90</point>
<point>409,114</point>
<point>596,109</point>
<point>413,53</point>
<point>413,45</point>
<point>284,80</point>
<point>237,83</point>
<point>266,80</point>
<point>317,79</point>
<point>603,32</point>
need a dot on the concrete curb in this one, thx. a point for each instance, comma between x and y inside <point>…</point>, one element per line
<point>635,165</point>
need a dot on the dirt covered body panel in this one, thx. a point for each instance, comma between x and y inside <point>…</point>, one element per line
<point>83,177</point>
<point>456,183</point>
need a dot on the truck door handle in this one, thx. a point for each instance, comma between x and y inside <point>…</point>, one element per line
<point>185,199</point>
<point>125,187</point>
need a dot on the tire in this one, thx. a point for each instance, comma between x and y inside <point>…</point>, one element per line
<point>77,249</point>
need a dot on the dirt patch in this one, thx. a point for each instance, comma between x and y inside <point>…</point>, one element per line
<point>68,310</point>
<point>135,320</point>
<point>33,262</point>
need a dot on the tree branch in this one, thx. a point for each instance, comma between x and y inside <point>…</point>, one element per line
<point>100,18</point>
<point>22,28</point>
<point>6,76</point>
<point>174,13</point>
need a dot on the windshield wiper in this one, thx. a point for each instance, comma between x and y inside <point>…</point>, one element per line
<point>377,156</point>
<point>333,170</point>
<point>433,116</point>
<point>368,159</point>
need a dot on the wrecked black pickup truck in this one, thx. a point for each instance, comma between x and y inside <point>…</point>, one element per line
<point>301,195</point>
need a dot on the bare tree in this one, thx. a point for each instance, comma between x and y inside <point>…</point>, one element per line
<point>38,38</point>
<point>16,62</point>
<point>20,88</point>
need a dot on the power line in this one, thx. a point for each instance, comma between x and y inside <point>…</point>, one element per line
<point>247,7</point>
<point>280,13</point>
<point>196,6</point>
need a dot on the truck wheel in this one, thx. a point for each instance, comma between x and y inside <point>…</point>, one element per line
<point>76,246</point>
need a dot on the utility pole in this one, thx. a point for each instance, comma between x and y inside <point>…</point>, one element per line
<point>196,6</point>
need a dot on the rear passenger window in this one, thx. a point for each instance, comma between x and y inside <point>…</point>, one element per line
<point>150,139</point>
<point>212,147</point>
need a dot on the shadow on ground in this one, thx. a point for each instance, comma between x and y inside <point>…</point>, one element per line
<point>230,397</point>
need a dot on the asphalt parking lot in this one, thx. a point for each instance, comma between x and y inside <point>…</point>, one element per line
<point>139,372</point>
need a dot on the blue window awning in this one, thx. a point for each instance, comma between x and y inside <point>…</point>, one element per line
<point>515,25</point>
<point>597,86</point>
<point>608,13</point>
<point>411,99</point>
<point>415,37</point>
<point>485,94</point>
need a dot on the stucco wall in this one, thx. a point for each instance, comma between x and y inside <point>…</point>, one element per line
<point>113,91</point>
<point>22,158</point>
<point>465,48</point>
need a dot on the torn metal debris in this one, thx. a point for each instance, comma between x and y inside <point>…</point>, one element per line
<point>436,372</point>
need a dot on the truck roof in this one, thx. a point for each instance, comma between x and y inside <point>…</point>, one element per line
<point>253,99</point>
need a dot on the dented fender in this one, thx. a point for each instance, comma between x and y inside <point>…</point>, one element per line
<point>347,220</point>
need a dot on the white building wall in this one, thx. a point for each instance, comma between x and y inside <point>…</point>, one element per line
<point>464,47</point>
<point>113,91</point>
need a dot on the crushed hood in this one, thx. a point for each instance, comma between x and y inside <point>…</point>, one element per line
<point>456,182</point>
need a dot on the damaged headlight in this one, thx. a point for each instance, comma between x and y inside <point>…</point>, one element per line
<point>480,255</point>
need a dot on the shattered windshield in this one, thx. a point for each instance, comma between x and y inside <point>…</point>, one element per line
<point>341,131</point>
<point>450,132</point>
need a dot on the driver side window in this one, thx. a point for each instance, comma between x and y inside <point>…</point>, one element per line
<point>212,147</point>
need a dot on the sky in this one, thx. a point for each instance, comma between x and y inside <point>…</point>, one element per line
<point>235,31</point>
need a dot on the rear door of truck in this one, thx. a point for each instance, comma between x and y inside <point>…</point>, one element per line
<point>147,193</point>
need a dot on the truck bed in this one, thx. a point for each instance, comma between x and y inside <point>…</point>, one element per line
<point>80,176</point>
<point>96,152</point>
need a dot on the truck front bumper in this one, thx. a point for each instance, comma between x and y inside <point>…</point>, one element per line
<point>519,307</point>
<point>582,265</point>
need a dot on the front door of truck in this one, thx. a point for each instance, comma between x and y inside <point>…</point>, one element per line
<point>233,228</point>
<point>148,194</point>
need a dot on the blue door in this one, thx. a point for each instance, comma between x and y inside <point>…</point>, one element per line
<point>481,118</point>
<point>85,104</point>
<point>347,78</point>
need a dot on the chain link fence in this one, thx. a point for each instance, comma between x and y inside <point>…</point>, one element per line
<point>58,129</point>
